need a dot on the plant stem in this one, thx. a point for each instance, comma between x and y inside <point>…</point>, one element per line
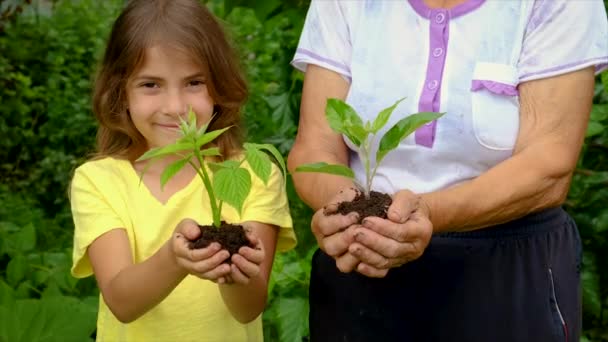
<point>215,211</point>
<point>365,157</point>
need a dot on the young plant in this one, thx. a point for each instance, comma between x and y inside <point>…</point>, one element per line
<point>344,119</point>
<point>231,183</point>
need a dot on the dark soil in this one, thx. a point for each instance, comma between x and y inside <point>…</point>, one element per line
<point>230,236</point>
<point>376,205</point>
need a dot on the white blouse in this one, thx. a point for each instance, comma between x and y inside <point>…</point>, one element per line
<point>466,62</point>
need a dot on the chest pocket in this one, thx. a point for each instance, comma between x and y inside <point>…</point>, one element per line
<point>495,105</point>
<point>494,96</point>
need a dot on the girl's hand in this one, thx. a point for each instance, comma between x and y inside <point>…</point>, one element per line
<point>206,263</point>
<point>246,263</point>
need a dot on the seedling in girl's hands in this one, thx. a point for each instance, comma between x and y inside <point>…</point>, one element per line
<point>344,119</point>
<point>231,183</point>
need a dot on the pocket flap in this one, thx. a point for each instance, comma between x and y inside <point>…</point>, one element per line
<point>500,79</point>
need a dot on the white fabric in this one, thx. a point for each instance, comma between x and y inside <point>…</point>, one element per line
<point>382,48</point>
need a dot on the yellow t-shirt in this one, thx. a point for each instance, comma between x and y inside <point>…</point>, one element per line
<point>107,194</point>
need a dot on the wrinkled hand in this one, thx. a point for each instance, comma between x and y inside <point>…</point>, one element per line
<point>383,244</point>
<point>206,263</point>
<point>334,233</point>
<point>246,263</point>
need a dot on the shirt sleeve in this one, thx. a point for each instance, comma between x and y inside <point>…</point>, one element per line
<point>325,39</point>
<point>564,36</point>
<point>267,203</point>
<point>93,216</point>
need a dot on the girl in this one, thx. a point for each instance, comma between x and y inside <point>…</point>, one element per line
<point>162,58</point>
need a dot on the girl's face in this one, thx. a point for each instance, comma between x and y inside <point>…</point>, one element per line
<point>162,91</point>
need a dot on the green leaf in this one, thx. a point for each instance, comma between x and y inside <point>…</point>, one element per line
<point>323,167</point>
<point>292,316</point>
<point>600,223</point>
<point>50,319</point>
<point>168,150</point>
<point>211,151</point>
<point>594,128</point>
<point>7,294</point>
<point>232,185</point>
<point>202,130</point>
<point>599,112</point>
<point>210,136</point>
<point>264,8</point>
<point>259,162</point>
<point>383,117</point>
<point>16,269</point>
<point>401,130</point>
<point>173,169</point>
<point>25,239</point>
<point>605,81</point>
<point>275,153</point>
<point>343,119</point>
<point>591,286</point>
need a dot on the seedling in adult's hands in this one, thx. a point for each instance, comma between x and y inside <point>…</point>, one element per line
<point>344,119</point>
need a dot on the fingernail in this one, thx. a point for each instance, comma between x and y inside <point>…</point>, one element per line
<point>359,235</point>
<point>353,216</point>
<point>367,223</point>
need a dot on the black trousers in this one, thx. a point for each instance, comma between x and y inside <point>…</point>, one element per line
<point>518,281</point>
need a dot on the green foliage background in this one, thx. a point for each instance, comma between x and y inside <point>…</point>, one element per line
<point>48,54</point>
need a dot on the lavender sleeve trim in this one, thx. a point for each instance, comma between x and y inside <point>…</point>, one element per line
<point>495,87</point>
<point>598,62</point>
<point>331,62</point>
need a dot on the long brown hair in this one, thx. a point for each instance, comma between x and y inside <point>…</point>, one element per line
<point>186,25</point>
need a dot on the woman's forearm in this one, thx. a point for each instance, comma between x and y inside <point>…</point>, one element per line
<point>553,120</point>
<point>529,181</point>
<point>139,287</point>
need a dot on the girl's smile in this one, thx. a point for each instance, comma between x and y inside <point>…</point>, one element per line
<point>162,90</point>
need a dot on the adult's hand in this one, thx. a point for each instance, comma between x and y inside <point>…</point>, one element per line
<point>381,244</point>
<point>335,232</point>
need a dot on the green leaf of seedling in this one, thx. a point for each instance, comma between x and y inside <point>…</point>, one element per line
<point>323,167</point>
<point>383,117</point>
<point>210,136</point>
<point>343,119</point>
<point>202,130</point>
<point>275,153</point>
<point>168,150</point>
<point>172,169</point>
<point>211,151</point>
<point>232,185</point>
<point>226,164</point>
<point>259,162</point>
<point>401,130</point>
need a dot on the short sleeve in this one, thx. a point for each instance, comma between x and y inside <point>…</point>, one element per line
<point>564,36</point>
<point>93,216</point>
<point>268,204</point>
<point>325,38</point>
